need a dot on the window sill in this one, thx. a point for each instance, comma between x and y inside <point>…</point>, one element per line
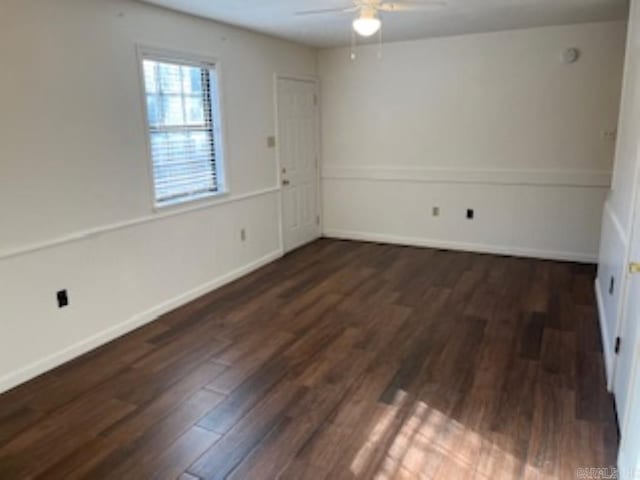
<point>191,203</point>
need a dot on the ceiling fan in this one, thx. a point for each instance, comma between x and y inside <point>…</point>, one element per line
<point>368,21</point>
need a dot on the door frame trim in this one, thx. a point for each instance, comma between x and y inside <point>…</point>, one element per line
<point>277,77</point>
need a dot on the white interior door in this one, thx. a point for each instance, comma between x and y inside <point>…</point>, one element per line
<point>298,154</point>
<point>627,377</point>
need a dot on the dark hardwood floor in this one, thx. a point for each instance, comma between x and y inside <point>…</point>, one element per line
<point>342,360</point>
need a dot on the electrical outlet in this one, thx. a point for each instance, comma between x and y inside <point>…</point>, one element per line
<point>243,235</point>
<point>608,135</point>
<point>435,211</point>
<point>470,213</point>
<point>63,298</point>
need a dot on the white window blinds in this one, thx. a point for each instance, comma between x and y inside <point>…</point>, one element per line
<point>182,113</point>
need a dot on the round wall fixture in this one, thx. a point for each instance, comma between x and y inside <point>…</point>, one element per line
<point>570,55</point>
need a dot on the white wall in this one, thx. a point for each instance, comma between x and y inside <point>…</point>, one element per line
<point>75,189</point>
<point>494,122</point>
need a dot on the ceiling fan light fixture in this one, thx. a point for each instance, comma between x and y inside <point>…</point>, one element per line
<point>366,25</point>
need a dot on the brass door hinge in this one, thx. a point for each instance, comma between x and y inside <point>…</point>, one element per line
<point>634,267</point>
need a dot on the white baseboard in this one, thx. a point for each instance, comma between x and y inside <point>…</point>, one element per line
<point>606,341</point>
<point>463,246</point>
<point>45,364</point>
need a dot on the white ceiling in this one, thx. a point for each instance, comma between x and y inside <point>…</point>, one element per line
<point>277,17</point>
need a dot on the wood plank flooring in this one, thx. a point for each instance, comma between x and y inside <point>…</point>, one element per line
<point>343,360</point>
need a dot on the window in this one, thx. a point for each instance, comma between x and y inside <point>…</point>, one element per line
<point>184,130</point>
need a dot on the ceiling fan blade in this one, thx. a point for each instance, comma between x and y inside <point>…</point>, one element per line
<point>328,10</point>
<point>410,6</point>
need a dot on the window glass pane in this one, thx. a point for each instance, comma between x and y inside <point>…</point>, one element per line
<point>194,107</point>
<point>150,79</point>
<point>192,80</point>
<point>172,110</point>
<point>160,148</point>
<point>203,142</point>
<point>179,104</point>
<point>170,79</point>
<point>213,84</point>
<point>182,163</point>
<point>153,109</point>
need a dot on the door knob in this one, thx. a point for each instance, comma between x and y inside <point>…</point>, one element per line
<point>285,182</point>
<point>634,267</point>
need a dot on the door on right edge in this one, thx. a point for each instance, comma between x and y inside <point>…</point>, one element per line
<point>627,375</point>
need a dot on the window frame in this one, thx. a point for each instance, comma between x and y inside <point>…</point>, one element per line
<point>216,103</point>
